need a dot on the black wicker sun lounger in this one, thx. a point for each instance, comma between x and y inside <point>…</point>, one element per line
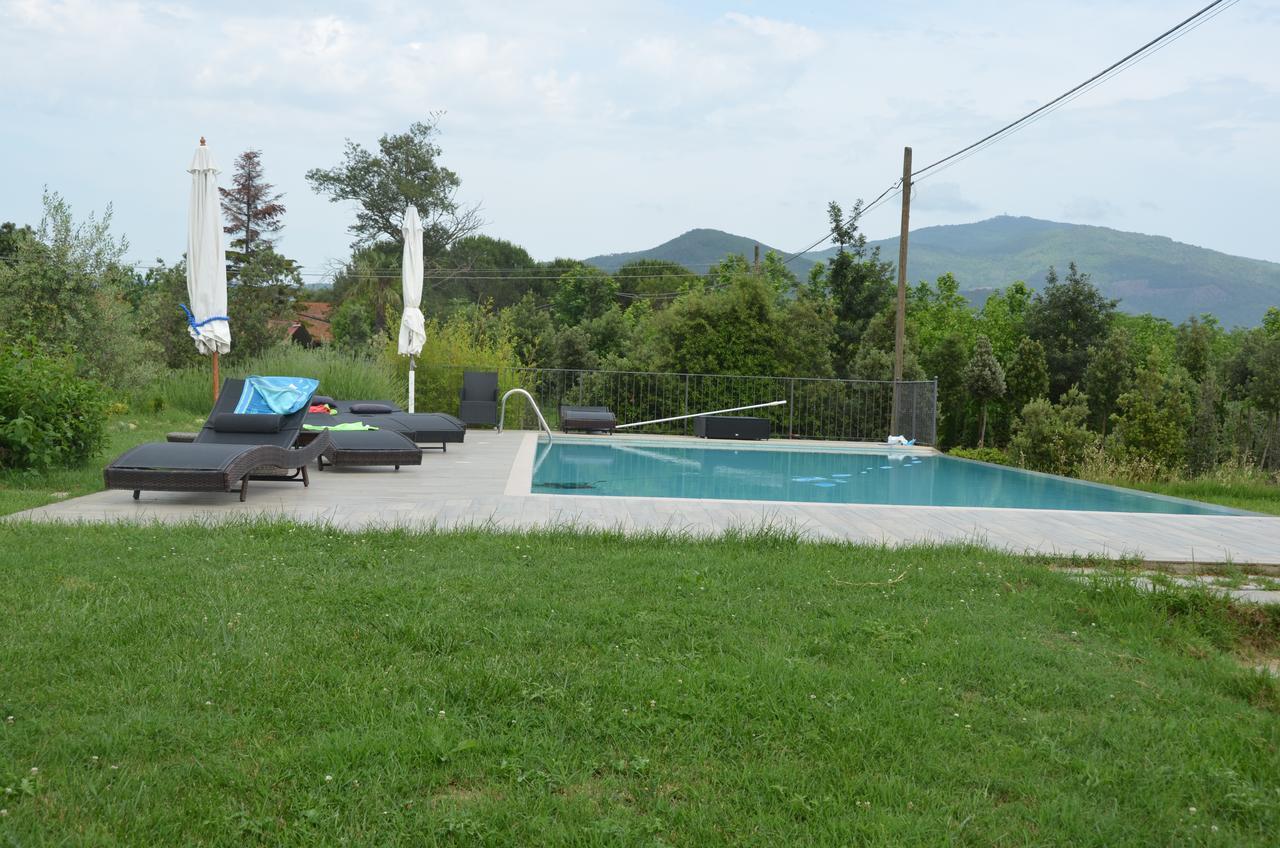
<point>426,428</point>
<point>590,418</point>
<point>228,452</point>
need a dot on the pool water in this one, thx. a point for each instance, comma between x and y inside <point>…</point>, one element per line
<point>823,476</point>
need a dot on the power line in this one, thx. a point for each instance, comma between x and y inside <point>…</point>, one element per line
<point>1150,48</point>
<point>1116,66</point>
<point>1099,80</point>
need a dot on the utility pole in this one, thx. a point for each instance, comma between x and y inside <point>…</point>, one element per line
<point>900,334</point>
<point>755,266</point>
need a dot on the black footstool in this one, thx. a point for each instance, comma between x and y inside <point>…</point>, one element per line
<point>369,447</point>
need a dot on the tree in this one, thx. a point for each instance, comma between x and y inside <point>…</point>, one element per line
<point>1053,437</point>
<point>857,282</point>
<point>404,172</point>
<point>262,298</point>
<point>530,329</point>
<point>1003,319</point>
<point>777,274</point>
<point>939,312</point>
<point>477,268</point>
<point>571,348</point>
<point>12,236</point>
<point>372,275</point>
<point>1109,375</point>
<point>984,378</point>
<point>352,326</point>
<point>65,286</point>
<point>1068,317</point>
<point>1271,323</point>
<point>1195,347</point>
<point>1153,417</point>
<point>1204,441</point>
<point>874,360</point>
<point>252,208</point>
<point>1264,389</point>
<point>648,277</point>
<point>1027,376</point>
<point>945,361</point>
<point>740,329</point>
<point>583,293</point>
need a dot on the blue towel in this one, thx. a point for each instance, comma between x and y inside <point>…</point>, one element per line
<point>275,395</point>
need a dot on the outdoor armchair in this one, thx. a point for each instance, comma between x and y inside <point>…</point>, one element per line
<point>478,402</point>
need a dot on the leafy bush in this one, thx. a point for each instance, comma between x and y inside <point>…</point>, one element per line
<point>1052,437</point>
<point>64,285</point>
<point>993,455</point>
<point>468,339</point>
<point>1155,416</point>
<point>341,375</point>
<point>49,417</point>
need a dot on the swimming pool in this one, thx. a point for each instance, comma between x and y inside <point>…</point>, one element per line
<point>645,469</point>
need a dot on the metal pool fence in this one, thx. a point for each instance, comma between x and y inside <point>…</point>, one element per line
<point>816,408</point>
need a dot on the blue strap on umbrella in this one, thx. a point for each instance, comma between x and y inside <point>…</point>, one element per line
<point>196,325</point>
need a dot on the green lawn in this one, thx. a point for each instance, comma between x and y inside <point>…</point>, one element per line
<point>21,490</point>
<point>283,685</point>
<point>1254,497</point>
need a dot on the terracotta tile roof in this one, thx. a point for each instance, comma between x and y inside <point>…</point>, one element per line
<point>315,316</point>
<point>312,314</point>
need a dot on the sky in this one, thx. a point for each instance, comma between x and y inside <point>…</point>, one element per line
<point>582,128</point>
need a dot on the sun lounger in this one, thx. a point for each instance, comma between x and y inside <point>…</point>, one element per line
<point>229,451</point>
<point>596,419</point>
<point>427,428</point>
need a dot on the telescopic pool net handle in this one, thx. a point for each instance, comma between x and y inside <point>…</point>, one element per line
<point>701,414</point>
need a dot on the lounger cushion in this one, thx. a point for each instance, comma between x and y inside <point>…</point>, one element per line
<point>167,456</point>
<point>230,422</point>
<point>371,408</point>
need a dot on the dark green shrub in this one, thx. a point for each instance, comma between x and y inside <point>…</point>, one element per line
<point>1052,437</point>
<point>995,455</point>
<point>49,417</point>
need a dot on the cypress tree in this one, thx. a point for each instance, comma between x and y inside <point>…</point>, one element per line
<point>984,378</point>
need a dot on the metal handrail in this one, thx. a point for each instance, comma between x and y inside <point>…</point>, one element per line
<point>502,411</point>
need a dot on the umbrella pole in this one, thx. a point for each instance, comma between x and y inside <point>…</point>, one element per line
<point>216,381</point>
<point>411,376</point>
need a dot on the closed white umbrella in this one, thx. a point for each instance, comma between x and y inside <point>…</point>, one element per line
<point>207,317</point>
<point>413,332</point>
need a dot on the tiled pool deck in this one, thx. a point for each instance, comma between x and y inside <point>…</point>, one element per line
<point>486,481</point>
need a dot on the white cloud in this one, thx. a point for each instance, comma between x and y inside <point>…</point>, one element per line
<point>560,113</point>
<point>792,41</point>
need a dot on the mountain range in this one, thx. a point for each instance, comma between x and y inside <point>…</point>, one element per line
<point>1145,273</point>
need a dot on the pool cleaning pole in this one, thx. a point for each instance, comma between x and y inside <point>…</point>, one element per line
<point>701,414</point>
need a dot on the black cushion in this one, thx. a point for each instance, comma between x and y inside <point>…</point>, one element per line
<point>323,399</point>
<point>371,408</point>
<point>230,422</point>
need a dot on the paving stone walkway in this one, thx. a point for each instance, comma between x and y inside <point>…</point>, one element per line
<point>486,482</point>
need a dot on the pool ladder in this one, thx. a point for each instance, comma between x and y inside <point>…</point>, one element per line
<point>502,414</point>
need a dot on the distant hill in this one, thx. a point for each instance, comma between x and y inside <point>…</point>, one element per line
<point>1147,273</point>
<point>697,250</point>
